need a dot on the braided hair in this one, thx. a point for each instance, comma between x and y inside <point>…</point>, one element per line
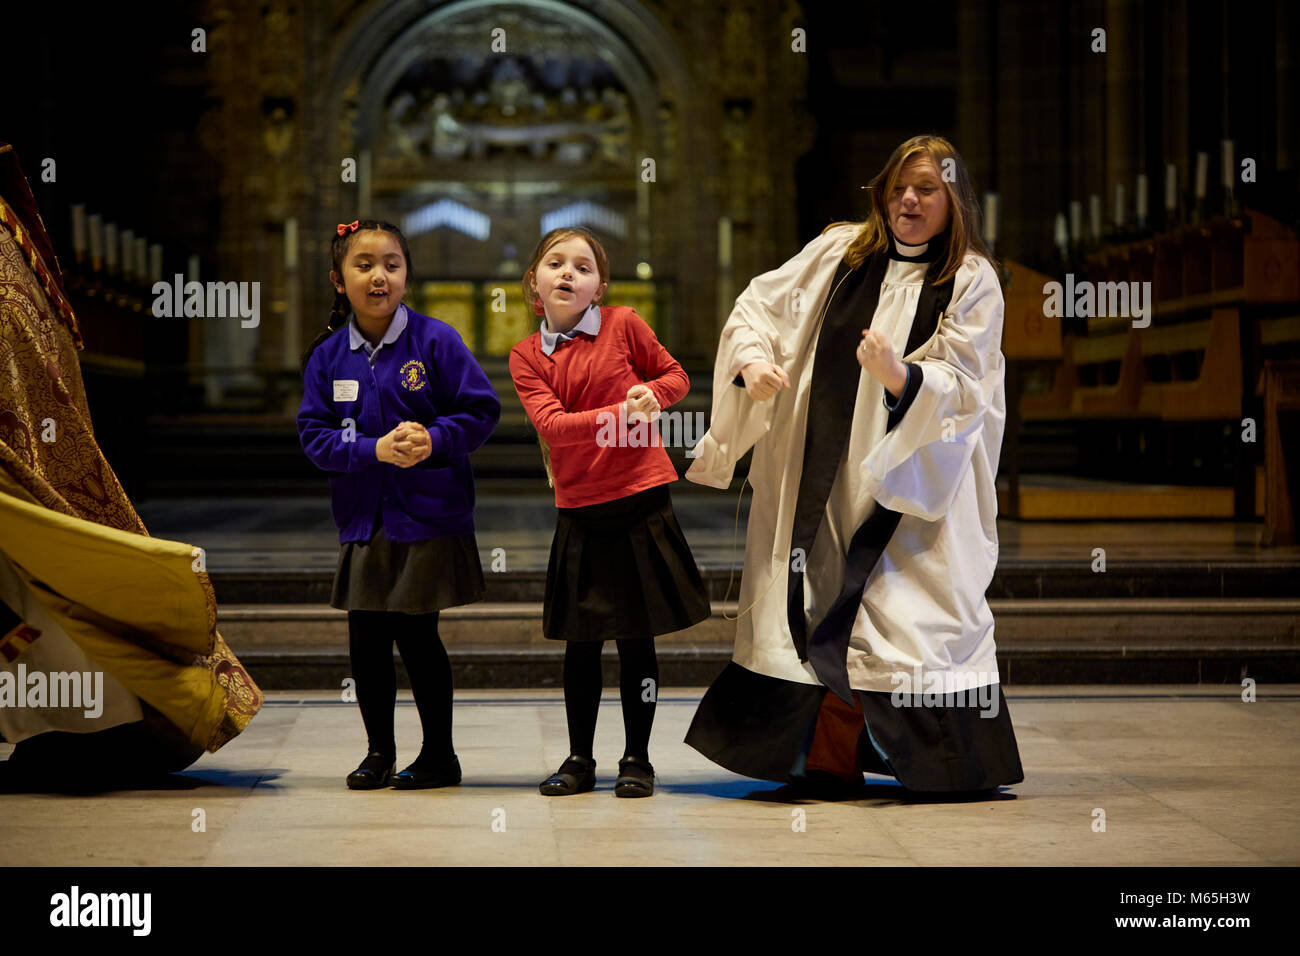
<point>341,309</point>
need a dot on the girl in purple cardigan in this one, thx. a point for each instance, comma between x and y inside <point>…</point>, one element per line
<point>393,403</point>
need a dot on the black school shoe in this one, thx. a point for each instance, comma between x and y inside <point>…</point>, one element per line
<point>636,778</point>
<point>374,772</point>
<point>576,775</point>
<point>421,777</point>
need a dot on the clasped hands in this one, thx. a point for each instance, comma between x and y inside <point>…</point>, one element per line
<point>641,404</point>
<point>406,445</point>
<point>874,353</point>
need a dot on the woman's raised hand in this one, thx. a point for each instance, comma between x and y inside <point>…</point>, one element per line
<point>876,355</point>
<point>763,380</point>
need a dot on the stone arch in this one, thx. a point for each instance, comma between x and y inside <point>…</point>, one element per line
<point>375,52</point>
<point>645,56</point>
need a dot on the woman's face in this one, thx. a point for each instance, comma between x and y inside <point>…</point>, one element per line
<point>918,208</point>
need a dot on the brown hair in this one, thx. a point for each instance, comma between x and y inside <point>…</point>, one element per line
<point>963,208</point>
<point>602,269</point>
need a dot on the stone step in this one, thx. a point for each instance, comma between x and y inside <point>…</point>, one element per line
<point>1038,625</point>
<point>1039,641</point>
<point>278,581</point>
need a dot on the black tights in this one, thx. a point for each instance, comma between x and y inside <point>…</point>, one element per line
<point>370,642</point>
<point>583,684</point>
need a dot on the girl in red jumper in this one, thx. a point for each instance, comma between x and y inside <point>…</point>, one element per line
<point>592,380</point>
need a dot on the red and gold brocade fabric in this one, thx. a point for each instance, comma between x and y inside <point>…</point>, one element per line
<point>177,663</point>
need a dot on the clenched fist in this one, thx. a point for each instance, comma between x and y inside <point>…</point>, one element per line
<point>641,404</point>
<point>763,380</point>
<point>876,355</point>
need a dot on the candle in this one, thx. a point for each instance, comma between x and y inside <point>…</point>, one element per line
<point>1202,168</point>
<point>1061,232</point>
<point>1142,198</point>
<point>1229,172</point>
<point>1094,216</point>
<point>96,238</point>
<point>110,247</point>
<point>192,269</point>
<point>155,263</point>
<point>141,257</point>
<point>79,230</point>
<point>291,244</point>
<point>1119,204</point>
<point>128,253</point>
<point>1076,220</point>
<point>1171,187</point>
<point>990,218</point>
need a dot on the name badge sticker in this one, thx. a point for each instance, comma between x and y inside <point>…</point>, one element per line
<point>346,390</point>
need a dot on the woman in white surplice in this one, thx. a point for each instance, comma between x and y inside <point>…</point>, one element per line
<point>866,375</point>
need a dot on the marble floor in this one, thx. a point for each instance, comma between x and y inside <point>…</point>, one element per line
<point>1181,775</point>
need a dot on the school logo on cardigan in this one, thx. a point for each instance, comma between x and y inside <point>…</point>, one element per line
<point>413,375</point>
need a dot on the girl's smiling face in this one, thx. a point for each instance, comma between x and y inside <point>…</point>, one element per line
<point>918,207</point>
<point>374,274</point>
<point>567,280</point>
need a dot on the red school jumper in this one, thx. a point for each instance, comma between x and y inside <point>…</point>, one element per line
<point>564,392</point>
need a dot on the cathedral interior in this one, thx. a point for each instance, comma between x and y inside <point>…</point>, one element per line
<point>704,144</point>
<point>1144,142</point>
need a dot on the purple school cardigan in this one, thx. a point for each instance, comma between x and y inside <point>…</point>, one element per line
<point>426,376</point>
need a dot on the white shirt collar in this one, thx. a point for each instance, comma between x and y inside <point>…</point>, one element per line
<point>356,340</point>
<point>589,323</point>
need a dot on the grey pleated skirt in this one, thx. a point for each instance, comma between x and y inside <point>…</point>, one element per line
<point>415,577</point>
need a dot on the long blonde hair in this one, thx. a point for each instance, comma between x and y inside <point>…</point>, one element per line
<point>963,208</point>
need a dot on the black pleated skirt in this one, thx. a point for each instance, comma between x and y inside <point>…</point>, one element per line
<point>412,577</point>
<point>621,569</point>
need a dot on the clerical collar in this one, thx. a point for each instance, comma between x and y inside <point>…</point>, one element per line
<point>921,252</point>
<point>589,323</point>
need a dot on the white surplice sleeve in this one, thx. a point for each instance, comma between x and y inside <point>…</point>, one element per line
<point>918,466</point>
<point>765,326</point>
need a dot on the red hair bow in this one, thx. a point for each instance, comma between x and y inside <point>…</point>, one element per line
<point>349,227</point>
